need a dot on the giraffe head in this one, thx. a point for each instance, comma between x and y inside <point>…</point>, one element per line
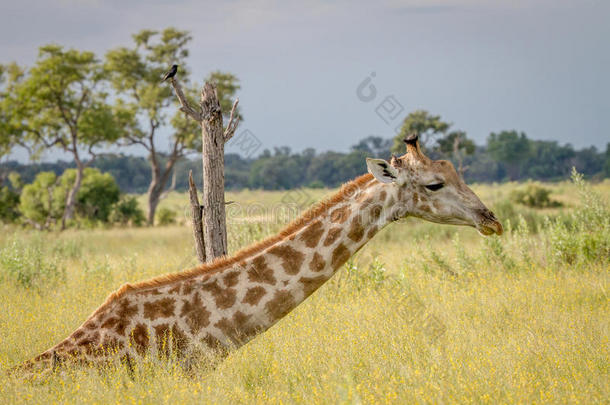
<point>432,190</point>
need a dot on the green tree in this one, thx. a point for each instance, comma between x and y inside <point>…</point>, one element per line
<point>227,85</point>
<point>511,149</point>
<point>424,124</point>
<point>39,205</point>
<point>60,103</point>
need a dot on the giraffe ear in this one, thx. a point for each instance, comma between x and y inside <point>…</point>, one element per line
<point>382,170</point>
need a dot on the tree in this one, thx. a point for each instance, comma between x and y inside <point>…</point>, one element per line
<point>374,146</point>
<point>145,101</point>
<point>456,145</point>
<point>60,103</point>
<point>8,134</point>
<point>424,124</point>
<point>511,149</point>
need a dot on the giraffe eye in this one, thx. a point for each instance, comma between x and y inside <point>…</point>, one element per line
<point>435,187</point>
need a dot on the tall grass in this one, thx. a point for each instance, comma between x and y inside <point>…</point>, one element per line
<point>424,313</point>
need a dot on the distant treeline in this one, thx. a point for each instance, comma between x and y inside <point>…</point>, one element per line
<point>283,169</point>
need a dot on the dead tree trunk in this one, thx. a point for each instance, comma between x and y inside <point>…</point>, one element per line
<point>213,137</point>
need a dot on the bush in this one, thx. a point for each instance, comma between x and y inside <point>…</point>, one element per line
<point>44,200</point>
<point>9,202</point>
<point>585,236</point>
<point>165,216</point>
<point>40,203</point>
<point>534,196</point>
<point>27,264</point>
<point>127,212</point>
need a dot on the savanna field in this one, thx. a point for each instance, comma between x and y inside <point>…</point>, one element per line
<point>424,313</point>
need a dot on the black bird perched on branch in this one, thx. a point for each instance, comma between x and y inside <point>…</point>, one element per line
<point>171,73</point>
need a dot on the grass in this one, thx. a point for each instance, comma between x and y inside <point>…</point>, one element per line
<point>424,313</point>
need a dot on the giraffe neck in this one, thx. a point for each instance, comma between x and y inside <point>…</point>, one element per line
<point>285,274</point>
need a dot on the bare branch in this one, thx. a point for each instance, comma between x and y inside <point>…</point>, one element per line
<point>197,218</point>
<point>233,122</point>
<point>185,107</point>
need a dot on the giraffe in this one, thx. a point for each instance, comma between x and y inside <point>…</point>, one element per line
<point>227,302</point>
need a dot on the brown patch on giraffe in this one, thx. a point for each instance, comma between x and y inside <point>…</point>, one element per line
<point>231,279</point>
<point>375,212</point>
<point>340,215</point>
<point>170,339</point>
<point>382,195</point>
<point>310,284</point>
<point>371,232</point>
<point>356,230</point>
<point>415,198</point>
<point>259,272</point>
<point>317,263</point>
<point>78,334</point>
<point>281,303</point>
<point>332,236</point>
<point>224,297</point>
<point>237,328</point>
<point>436,205</point>
<point>312,234</point>
<point>162,308</point>
<point>125,310</point>
<point>175,289</point>
<point>188,287</point>
<point>195,313</point>
<point>425,207</point>
<point>292,259</point>
<point>340,256</point>
<point>140,338</point>
<point>254,295</point>
<point>90,324</point>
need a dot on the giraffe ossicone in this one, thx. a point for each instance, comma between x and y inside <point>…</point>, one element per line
<point>227,302</point>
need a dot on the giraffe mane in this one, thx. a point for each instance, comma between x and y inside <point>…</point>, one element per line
<point>224,262</point>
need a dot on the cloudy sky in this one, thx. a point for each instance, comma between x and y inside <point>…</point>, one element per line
<point>324,74</point>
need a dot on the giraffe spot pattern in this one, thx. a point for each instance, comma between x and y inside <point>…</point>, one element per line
<point>224,297</point>
<point>340,256</point>
<point>332,236</point>
<point>162,308</point>
<point>312,234</point>
<point>281,303</point>
<point>340,215</point>
<point>259,272</point>
<point>254,295</point>
<point>195,313</point>
<point>291,258</point>
<point>310,284</point>
<point>317,263</point>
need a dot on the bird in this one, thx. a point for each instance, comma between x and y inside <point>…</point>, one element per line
<point>171,73</point>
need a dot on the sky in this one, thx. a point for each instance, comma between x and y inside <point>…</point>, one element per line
<point>325,74</point>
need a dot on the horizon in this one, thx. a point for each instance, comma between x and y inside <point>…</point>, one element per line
<point>486,67</point>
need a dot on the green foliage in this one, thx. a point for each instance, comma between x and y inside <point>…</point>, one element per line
<point>586,238</point>
<point>9,201</point>
<point>227,85</point>
<point>96,196</point>
<point>43,201</point>
<point>127,212</point>
<point>424,124</point>
<point>509,148</point>
<point>165,216</point>
<point>41,204</point>
<point>534,196</point>
<point>27,264</point>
